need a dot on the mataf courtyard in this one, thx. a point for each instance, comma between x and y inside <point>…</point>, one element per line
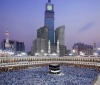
<point>39,76</point>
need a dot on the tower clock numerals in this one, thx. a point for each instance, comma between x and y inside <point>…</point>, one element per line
<point>49,7</point>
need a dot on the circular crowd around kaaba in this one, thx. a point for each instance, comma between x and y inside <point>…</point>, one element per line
<point>41,76</point>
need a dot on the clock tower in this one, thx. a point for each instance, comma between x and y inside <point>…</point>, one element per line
<point>49,20</point>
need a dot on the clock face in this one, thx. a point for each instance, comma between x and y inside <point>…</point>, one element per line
<point>49,7</point>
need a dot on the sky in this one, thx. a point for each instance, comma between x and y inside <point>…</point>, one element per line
<point>22,18</point>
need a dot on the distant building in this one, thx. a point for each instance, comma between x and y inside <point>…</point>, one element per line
<point>3,45</point>
<point>94,47</point>
<point>19,47</point>
<point>15,46</point>
<point>82,48</point>
<point>12,45</point>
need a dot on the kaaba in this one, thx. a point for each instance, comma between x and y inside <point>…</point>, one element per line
<point>54,69</point>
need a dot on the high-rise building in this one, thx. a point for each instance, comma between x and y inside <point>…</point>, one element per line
<point>41,43</point>
<point>43,34</point>
<point>49,20</point>
<point>60,35</point>
<point>38,46</point>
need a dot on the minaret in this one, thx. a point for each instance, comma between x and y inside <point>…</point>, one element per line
<point>7,44</point>
<point>58,47</point>
<point>49,47</point>
<point>94,46</point>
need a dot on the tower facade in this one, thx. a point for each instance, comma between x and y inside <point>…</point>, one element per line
<point>49,20</point>
<point>43,34</point>
<point>60,35</point>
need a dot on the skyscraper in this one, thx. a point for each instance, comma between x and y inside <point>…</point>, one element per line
<point>60,35</point>
<point>41,43</point>
<point>43,34</point>
<point>49,20</point>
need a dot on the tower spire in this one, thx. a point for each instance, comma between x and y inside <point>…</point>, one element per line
<point>94,46</point>
<point>49,1</point>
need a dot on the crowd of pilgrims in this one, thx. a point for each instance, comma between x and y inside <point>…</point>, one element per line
<point>40,76</point>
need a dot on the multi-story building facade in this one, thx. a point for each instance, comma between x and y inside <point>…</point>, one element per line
<point>43,34</point>
<point>82,48</point>
<point>62,50</point>
<point>60,35</point>
<point>39,45</point>
<point>19,47</point>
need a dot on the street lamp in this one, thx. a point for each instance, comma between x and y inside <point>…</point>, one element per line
<point>73,51</point>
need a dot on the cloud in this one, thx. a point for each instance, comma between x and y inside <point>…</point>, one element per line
<point>86,27</point>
